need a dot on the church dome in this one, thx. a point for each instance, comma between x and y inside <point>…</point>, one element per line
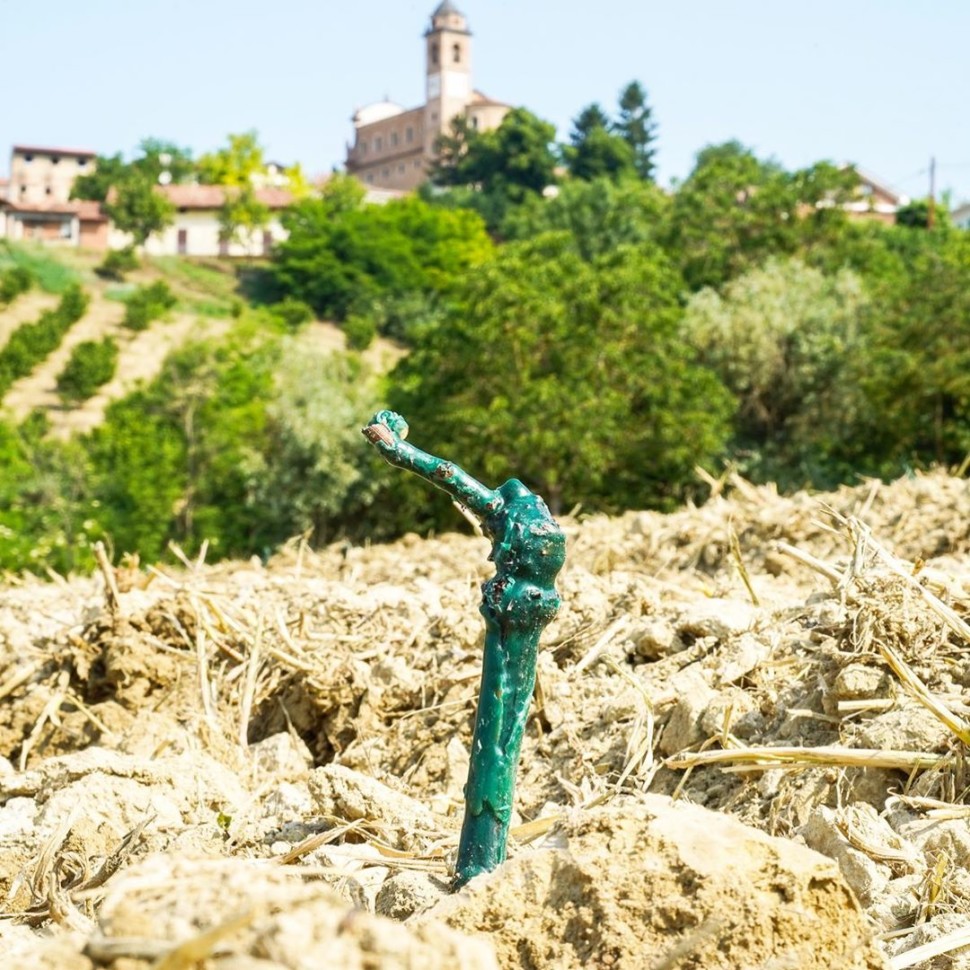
<point>447,7</point>
<point>377,111</point>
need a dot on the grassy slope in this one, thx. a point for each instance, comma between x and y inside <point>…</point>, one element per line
<point>206,292</point>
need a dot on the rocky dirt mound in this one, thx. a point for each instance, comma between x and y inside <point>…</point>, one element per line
<point>746,751</point>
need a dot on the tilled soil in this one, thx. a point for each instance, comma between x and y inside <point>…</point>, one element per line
<point>261,766</point>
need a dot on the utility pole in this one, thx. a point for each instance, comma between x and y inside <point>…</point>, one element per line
<point>931,213</point>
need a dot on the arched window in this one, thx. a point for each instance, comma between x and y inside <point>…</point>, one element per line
<point>456,53</point>
<point>434,53</point>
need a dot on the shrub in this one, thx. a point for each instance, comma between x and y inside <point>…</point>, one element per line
<point>117,263</point>
<point>782,339</point>
<point>293,313</point>
<point>148,303</point>
<point>45,522</point>
<point>32,342</point>
<point>73,305</point>
<point>92,363</point>
<point>13,282</point>
<point>360,330</point>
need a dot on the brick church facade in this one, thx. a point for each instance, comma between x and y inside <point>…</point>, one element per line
<point>394,146</point>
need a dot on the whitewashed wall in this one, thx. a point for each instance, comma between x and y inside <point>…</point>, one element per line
<point>202,229</point>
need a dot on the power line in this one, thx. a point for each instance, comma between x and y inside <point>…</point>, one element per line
<point>909,178</point>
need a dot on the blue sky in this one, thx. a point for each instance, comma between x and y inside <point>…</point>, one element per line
<point>883,83</point>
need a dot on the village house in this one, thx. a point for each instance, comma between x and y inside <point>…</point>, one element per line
<point>393,146</point>
<point>35,201</point>
<point>36,204</point>
<point>875,199</point>
<point>196,229</point>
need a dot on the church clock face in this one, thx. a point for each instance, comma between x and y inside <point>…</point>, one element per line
<point>434,85</point>
<point>457,82</point>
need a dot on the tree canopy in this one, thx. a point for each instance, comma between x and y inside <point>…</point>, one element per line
<point>342,255</point>
<point>136,208</point>
<point>636,126</point>
<point>735,210</point>
<point>235,164</point>
<point>600,215</point>
<point>594,151</point>
<point>568,374</point>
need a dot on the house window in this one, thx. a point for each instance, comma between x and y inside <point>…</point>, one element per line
<point>400,167</point>
<point>456,53</point>
<point>409,135</point>
<point>55,160</point>
<point>370,179</point>
<point>363,148</point>
<point>82,162</point>
<point>386,173</point>
<point>66,232</point>
<point>475,121</point>
<point>434,53</point>
<point>28,158</point>
<point>394,139</point>
<point>378,143</point>
<point>47,191</point>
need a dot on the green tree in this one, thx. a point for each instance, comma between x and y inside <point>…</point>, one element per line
<point>241,215</point>
<point>594,151</point>
<point>137,208</point>
<point>782,338</point>
<point>109,170</point>
<point>235,164</point>
<point>45,514</point>
<point>599,215</point>
<point>170,460</point>
<point>158,161</point>
<point>916,371</point>
<point>450,153</point>
<point>636,126</point>
<point>342,255</point>
<point>164,162</point>
<point>313,477</point>
<point>568,374</point>
<point>138,472</point>
<point>734,210</point>
<point>498,169</point>
<point>916,214</point>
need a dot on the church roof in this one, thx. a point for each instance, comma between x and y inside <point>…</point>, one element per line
<point>376,112</point>
<point>446,7</point>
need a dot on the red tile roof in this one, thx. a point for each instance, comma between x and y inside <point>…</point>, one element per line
<point>86,211</point>
<point>39,150</point>
<point>213,196</point>
<point>479,97</point>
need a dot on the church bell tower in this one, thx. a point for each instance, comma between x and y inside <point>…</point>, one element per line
<point>448,70</point>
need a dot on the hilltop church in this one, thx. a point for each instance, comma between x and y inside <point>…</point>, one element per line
<point>394,146</point>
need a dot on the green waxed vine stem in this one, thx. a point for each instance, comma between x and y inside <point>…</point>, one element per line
<point>528,549</point>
